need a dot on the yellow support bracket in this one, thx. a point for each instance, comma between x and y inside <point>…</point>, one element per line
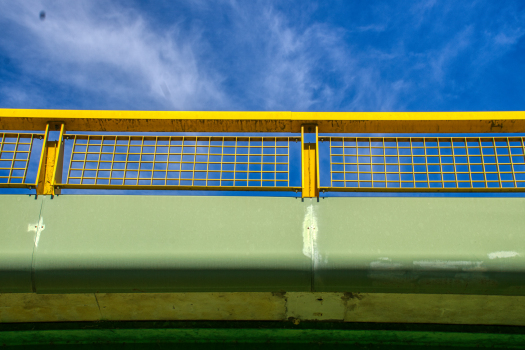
<point>51,162</point>
<point>310,164</point>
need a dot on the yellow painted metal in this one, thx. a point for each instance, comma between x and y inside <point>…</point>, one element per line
<point>302,162</point>
<point>318,184</point>
<point>434,164</point>
<point>51,163</point>
<point>59,161</point>
<point>420,189</point>
<point>177,162</point>
<point>42,157</point>
<point>175,187</point>
<point>328,122</point>
<point>309,166</point>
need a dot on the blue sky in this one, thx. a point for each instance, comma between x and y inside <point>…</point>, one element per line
<point>263,55</point>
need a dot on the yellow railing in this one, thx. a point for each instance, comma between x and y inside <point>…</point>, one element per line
<point>224,163</point>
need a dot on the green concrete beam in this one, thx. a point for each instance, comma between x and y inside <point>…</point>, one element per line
<point>421,245</point>
<point>167,243</point>
<point>193,243</point>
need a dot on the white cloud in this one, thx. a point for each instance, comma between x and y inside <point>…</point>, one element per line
<point>441,58</point>
<point>99,48</point>
<point>312,67</point>
<point>235,55</point>
<point>94,46</point>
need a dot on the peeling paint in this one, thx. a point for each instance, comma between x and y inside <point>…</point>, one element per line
<point>307,234</point>
<point>37,228</point>
<point>502,254</point>
<point>315,231</point>
<point>310,233</point>
<point>450,265</point>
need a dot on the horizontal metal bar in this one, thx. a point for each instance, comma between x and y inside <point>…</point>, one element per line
<point>177,188</point>
<point>421,189</point>
<point>328,122</point>
<point>12,185</point>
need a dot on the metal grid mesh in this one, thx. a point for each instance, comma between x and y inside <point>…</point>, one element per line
<point>179,161</point>
<point>15,151</point>
<point>495,162</point>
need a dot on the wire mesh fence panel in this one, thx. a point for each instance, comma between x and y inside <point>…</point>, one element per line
<point>15,155</point>
<point>427,162</point>
<point>220,161</point>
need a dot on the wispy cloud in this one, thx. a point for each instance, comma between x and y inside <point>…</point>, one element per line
<point>257,55</point>
<point>440,58</point>
<point>312,66</point>
<point>105,49</point>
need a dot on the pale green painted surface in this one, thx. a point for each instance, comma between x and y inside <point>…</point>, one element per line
<point>432,245</point>
<point>189,243</point>
<point>16,242</point>
<point>168,243</point>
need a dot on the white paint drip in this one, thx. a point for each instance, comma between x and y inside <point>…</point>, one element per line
<point>450,265</point>
<point>307,234</point>
<point>315,232</point>
<point>310,231</point>
<point>502,254</point>
<point>37,228</point>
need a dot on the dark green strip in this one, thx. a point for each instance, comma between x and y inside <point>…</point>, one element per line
<point>250,335</point>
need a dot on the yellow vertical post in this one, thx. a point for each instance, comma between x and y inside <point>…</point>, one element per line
<point>303,171</point>
<point>310,167</point>
<point>41,164</point>
<point>317,160</point>
<point>51,163</point>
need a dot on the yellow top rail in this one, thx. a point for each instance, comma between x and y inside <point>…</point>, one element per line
<point>328,122</point>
